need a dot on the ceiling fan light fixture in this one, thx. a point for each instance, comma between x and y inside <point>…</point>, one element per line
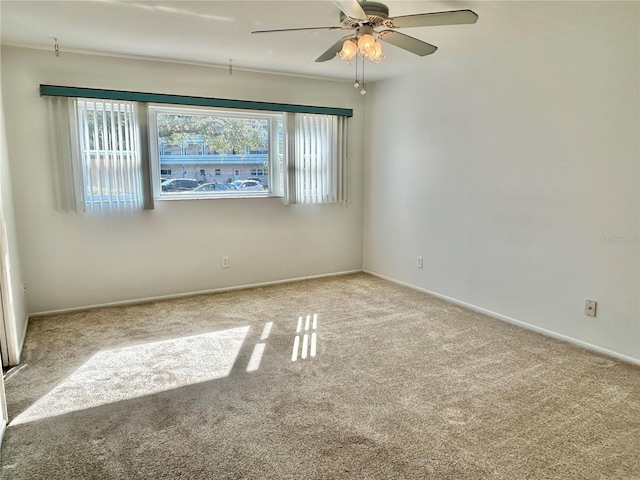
<point>368,17</point>
<point>349,50</point>
<point>366,44</point>
<point>376,54</point>
<point>371,22</point>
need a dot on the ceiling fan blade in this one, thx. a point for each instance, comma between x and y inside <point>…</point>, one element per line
<point>297,29</point>
<point>331,51</point>
<point>352,8</point>
<point>455,17</point>
<point>406,42</point>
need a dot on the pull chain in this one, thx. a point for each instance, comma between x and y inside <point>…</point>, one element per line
<point>56,48</point>
<point>230,68</point>
<point>363,91</point>
<point>356,84</point>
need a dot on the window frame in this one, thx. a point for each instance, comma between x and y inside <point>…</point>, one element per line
<point>275,155</point>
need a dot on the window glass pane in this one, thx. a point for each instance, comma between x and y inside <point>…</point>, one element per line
<point>214,152</point>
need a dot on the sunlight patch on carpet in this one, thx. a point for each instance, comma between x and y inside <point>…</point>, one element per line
<point>309,338</point>
<point>258,350</point>
<point>130,372</point>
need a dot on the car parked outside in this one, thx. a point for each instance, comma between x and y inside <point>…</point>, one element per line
<point>179,185</point>
<point>216,187</point>
<point>248,186</point>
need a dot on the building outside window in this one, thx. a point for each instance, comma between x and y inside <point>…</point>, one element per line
<point>189,142</point>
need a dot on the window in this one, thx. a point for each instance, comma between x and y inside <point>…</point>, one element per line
<point>108,156</point>
<point>126,153</point>
<point>229,141</point>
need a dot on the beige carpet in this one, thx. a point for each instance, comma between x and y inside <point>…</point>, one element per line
<point>346,377</point>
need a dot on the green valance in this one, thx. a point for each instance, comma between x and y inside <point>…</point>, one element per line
<point>98,93</point>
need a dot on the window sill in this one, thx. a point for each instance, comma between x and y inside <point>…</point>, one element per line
<point>224,196</point>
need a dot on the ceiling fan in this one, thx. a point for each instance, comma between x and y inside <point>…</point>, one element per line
<point>371,23</point>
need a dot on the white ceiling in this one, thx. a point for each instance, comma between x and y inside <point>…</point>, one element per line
<point>212,32</point>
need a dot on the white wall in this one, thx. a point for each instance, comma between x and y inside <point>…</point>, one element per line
<point>13,320</point>
<point>75,260</point>
<point>515,174</point>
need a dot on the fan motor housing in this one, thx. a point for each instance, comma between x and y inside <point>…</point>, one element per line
<point>376,12</point>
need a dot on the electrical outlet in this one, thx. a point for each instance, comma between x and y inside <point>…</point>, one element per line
<point>590,308</point>
<point>419,262</point>
<point>224,262</point>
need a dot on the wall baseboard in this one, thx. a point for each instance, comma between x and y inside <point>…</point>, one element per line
<point>191,294</point>
<point>520,323</point>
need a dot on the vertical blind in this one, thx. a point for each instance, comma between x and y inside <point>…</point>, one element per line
<point>109,149</point>
<point>316,159</point>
